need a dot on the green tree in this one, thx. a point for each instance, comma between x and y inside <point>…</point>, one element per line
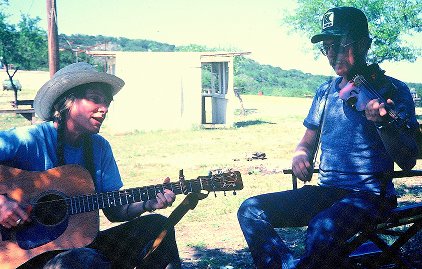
<point>31,44</point>
<point>24,45</point>
<point>390,23</point>
<point>7,39</point>
<point>194,48</point>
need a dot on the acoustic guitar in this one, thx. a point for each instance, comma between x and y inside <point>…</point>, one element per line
<point>65,207</point>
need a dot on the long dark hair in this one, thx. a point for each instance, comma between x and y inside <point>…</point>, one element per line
<point>61,109</point>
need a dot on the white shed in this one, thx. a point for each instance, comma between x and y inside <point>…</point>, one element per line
<point>164,90</point>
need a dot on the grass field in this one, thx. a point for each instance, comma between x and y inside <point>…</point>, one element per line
<point>209,236</point>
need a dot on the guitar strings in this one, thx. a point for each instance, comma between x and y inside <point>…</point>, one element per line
<point>174,186</point>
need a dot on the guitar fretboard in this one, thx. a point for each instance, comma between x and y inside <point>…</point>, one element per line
<point>90,202</point>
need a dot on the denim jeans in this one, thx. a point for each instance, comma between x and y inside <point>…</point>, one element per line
<point>332,216</point>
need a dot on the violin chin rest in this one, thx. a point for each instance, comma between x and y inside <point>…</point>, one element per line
<point>352,101</point>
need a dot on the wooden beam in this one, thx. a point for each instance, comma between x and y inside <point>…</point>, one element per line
<point>53,45</point>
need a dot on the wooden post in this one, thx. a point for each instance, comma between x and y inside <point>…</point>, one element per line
<point>53,48</point>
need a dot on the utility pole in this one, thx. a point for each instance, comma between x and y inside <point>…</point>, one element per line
<point>53,46</point>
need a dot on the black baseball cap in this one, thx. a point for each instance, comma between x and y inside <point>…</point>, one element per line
<point>343,21</point>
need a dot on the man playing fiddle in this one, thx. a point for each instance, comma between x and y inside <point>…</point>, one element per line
<point>358,149</point>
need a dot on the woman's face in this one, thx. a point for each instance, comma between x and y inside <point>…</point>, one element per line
<point>87,113</point>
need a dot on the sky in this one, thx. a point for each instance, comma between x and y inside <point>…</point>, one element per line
<point>254,26</point>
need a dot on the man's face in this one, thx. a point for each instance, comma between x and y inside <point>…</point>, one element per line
<point>340,55</point>
<point>88,113</point>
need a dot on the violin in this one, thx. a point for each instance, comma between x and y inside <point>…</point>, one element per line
<point>366,87</point>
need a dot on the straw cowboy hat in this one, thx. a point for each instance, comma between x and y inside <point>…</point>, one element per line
<point>67,78</point>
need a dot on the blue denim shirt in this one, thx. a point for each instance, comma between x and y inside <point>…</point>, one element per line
<point>33,148</point>
<point>352,153</point>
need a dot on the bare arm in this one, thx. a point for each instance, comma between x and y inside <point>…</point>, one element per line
<point>400,143</point>
<point>302,163</point>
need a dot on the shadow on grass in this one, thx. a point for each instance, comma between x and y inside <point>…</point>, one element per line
<point>216,258</point>
<point>251,122</point>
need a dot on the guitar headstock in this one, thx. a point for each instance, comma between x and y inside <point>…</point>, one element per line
<point>222,181</point>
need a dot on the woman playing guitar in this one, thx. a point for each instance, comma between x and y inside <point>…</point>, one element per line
<point>74,104</point>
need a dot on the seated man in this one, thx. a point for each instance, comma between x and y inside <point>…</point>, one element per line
<point>358,148</point>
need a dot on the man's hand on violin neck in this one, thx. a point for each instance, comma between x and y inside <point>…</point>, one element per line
<point>376,111</point>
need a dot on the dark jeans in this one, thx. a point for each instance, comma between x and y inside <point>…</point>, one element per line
<point>122,246</point>
<point>332,216</point>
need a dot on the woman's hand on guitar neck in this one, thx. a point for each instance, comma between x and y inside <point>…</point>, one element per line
<point>132,210</point>
<point>162,200</point>
<point>11,213</point>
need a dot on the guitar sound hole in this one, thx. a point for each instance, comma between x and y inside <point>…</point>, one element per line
<point>50,209</point>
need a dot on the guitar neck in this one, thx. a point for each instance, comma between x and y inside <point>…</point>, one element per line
<point>91,202</point>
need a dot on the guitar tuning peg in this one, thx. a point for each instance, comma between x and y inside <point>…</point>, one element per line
<point>182,182</point>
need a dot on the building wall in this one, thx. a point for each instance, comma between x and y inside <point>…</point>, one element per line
<point>162,91</point>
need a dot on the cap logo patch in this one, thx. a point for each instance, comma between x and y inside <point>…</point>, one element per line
<point>328,20</point>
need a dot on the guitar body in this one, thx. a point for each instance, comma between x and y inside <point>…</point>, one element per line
<point>63,207</point>
<point>46,231</point>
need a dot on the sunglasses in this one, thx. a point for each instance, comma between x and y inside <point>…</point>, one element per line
<point>336,47</point>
